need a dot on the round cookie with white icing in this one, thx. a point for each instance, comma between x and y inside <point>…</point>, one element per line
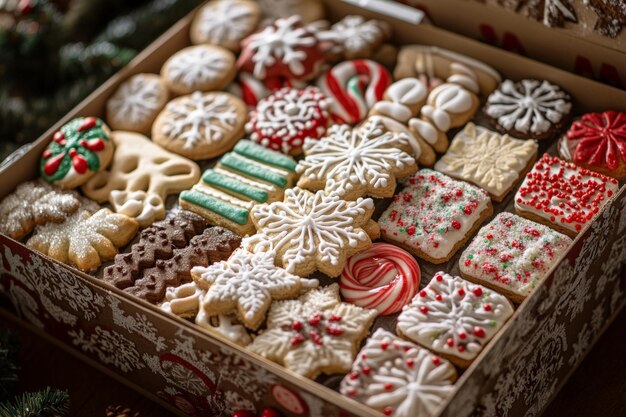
<point>225,23</point>
<point>136,103</point>
<point>529,109</point>
<point>200,125</point>
<point>199,68</point>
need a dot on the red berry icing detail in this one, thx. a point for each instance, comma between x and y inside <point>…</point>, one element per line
<point>478,292</point>
<point>52,164</point>
<point>601,139</point>
<point>479,331</point>
<point>87,123</point>
<point>388,411</point>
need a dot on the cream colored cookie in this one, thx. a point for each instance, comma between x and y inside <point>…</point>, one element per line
<point>308,10</point>
<point>136,103</point>
<point>355,37</point>
<point>200,125</point>
<point>199,68</point>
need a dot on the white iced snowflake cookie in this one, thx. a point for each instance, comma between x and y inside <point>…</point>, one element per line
<point>492,161</point>
<point>355,37</point>
<point>245,285</point>
<point>199,68</point>
<point>136,103</point>
<point>529,109</point>
<point>225,23</point>
<point>357,162</point>
<point>200,125</point>
<point>314,334</point>
<point>399,378</point>
<point>312,232</point>
<point>454,318</point>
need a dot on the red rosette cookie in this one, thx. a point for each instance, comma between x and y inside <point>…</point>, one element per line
<point>284,119</point>
<point>598,142</point>
<point>384,278</point>
<point>286,49</point>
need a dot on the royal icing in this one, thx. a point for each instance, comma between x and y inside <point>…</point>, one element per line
<point>197,66</point>
<point>563,193</point>
<point>531,107</point>
<point>354,36</point>
<point>225,22</point>
<point>144,207</point>
<point>384,278</point>
<point>486,158</point>
<point>398,378</point>
<point>433,213</point>
<point>137,101</point>
<point>453,317</point>
<point>445,101</point>
<point>598,140</point>
<point>513,253</point>
<point>400,99</point>
<point>355,87</point>
<point>357,162</point>
<point>286,118</point>
<point>313,334</point>
<point>312,231</point>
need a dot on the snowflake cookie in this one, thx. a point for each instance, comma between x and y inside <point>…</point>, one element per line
<point>199,68</point>
<point>314,334</point>
<point>434,215</point>
<point>225,23</point>
<point>356,37</point>
<point>399,378</point>
<point>454,318</point>
<point>245,285</point>
<point>512,255</point>
<point>356,162</point>
<point>529,109</point>
<point>136,103</point>
<point>563,195</point>
<point>313,231</point>
<point>200,125</point>
<point>492,161</point>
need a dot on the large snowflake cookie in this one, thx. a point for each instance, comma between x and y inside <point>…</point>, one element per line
<point>225,23</point>
<point>563,195</point>
<point>286,118</point>
<point>136,103</point>
<point>454,318</point>
<point>492,161</point>
<point>200,125</point>
<point>79,150</point>
<point>597,141</point>
<point>312,232</point>
<point>512,255</point>
<point>245,285</point>
<point>356,37</point>
<point>199,68</point>
<point>356,162</point>
<point>529,109</point>
<point>285,49</point>
<point>434,215</point>
<point>399,378</point>
<point>314,334</point>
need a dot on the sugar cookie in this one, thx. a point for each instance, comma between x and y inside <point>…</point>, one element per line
<point>356,37</point>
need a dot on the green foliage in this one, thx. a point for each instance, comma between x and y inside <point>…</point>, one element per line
<point>46,403</point>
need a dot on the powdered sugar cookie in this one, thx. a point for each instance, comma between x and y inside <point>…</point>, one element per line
<point>563,195</point>
<point>286,49</point>
<point>454,318</point>
<point>84,240</point>
<point>399,378</point>
<point>434,215</point>
<point>597,141</point>
<point>355,37</point>
<point>312,232</point>
<point>314,334</point>
<point>78,150</point>
<point>225,23</point>
<point>200,125</point>
<point>309,10</point>
<point>287,117</point>
<point>356,162</point>
<point>136,103</point>
<point>199,68</point>
<point>492,161</point>
<point>512,255</point>
<point>529,109</point>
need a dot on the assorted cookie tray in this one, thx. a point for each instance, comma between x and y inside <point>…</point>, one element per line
<point>366,215</point>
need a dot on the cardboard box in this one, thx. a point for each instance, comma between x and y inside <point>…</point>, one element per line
<point>193,373</point>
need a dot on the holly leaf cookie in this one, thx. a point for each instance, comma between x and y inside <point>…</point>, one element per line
<point>314,334</point>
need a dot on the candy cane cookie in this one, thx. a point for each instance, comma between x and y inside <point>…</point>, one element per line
<point>384,278</point>
<point>355,87</point>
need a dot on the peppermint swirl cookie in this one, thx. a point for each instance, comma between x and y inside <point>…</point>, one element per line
<point>529,109</point>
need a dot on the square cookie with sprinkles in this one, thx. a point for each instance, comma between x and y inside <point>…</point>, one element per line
<point>563,195</point>
<point>434,215</point>
<point>512,255</point>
